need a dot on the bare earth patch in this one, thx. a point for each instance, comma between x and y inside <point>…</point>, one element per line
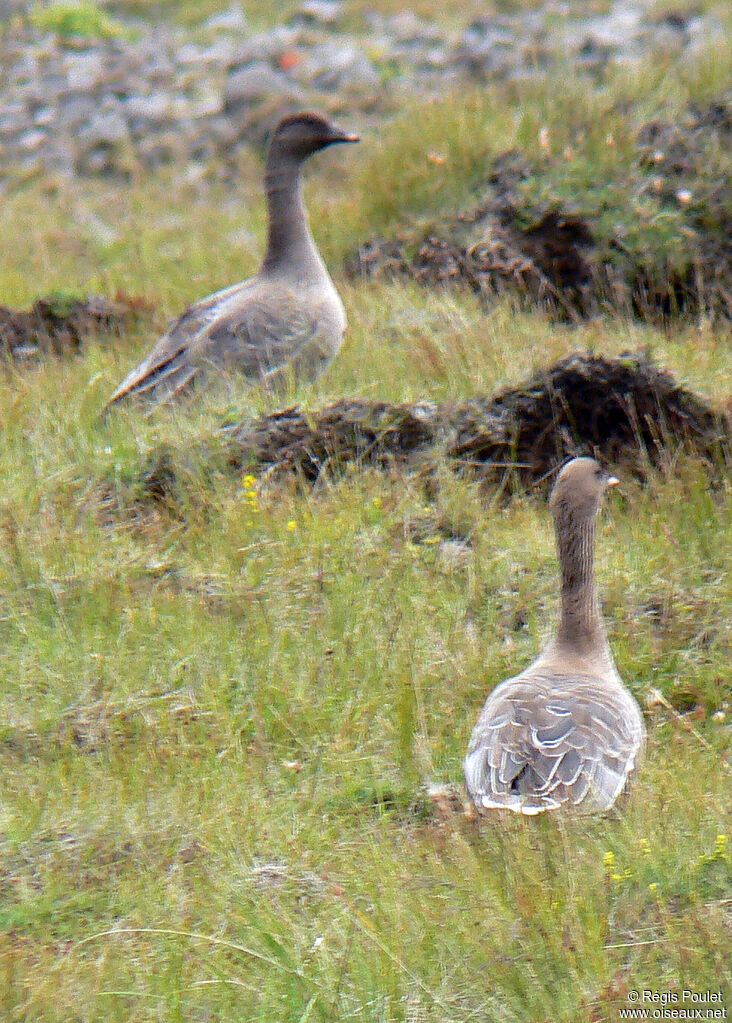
<point>646,236</point>
<point>623,410</point>
<point>61,324</point>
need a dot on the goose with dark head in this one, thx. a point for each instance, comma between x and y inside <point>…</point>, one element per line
<point>285,321</point>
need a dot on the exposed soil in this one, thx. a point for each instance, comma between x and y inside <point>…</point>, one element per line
<point>623,410</point>
<point>567,255</point>
<point>549,263</point>
<point>61,324</point>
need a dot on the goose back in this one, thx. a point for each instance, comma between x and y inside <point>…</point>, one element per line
<point>566,731</point>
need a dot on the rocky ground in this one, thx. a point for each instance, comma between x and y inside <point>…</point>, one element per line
<point>154,94</point>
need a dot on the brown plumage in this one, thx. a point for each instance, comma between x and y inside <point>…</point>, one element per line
<point>288,318</point>
<point>565,731</point>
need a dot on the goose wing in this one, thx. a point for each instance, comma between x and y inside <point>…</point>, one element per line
<point>167,368</point>
<point>273,333</point>
<point>259,330</point>
<point>541,742</point>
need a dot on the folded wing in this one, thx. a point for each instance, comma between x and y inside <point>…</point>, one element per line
<point>260,333</point>
<point>540,743</point>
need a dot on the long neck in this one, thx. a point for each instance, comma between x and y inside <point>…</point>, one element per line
<point>289,242</point>
<point>580,625</point>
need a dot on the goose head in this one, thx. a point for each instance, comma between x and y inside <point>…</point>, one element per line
<point>579,489</point>
<point>298,136</point>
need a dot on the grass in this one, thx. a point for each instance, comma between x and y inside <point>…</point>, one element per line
<point>81,20</point>
<point>455,14</point>
<point>354,15</point>
<point>636,159</point>
<point>219,715</point>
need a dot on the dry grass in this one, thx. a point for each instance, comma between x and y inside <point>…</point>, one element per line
<point>219,715</point>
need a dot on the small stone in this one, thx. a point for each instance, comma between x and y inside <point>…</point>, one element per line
<point>232,20</point>
<point>407,27</point>
<point>161,148</point>
<point>266,46</point>
<point>219,54</point>
<point>189,53</point>
<point>29,141</point>
<point>256,82</point>
<point>108,128</point>
<point>615,28</point>
<point>335,65</point>
<point>154,108</point>
<point>323,12</point>
<point>206,104</point>
<point>74,110</point>
<point>13,119</point>
<point>44,116</point>
<point>84,71</point>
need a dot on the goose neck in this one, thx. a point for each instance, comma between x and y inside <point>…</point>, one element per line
<point>580,625</point>
<point>289,240</point>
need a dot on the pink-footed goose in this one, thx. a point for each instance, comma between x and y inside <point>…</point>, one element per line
<point>288,318</point>
<point>566,731</point>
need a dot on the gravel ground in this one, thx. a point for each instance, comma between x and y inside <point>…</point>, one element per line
<point>160,94</point>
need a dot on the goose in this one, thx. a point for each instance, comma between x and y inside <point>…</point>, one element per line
<point>565,733</point>
<point>287,318</point>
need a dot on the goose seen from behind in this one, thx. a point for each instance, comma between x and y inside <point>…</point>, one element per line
<point>565,732</point>
<point>287,318</point>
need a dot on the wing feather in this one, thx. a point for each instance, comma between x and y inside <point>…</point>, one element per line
<point>545,740</point>
<point>262,330</point>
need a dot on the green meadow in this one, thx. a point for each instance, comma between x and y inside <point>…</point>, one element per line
<point>222,715</point>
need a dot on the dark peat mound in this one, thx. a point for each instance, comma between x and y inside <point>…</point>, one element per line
<point>648,236</point>
<point>61,324</point>
<point>623,410</point>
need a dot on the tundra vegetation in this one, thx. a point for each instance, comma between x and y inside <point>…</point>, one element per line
<point>224,701</point>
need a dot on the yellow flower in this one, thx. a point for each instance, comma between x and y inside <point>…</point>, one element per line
<point>376,502</point>
<point>291,525</point>
<point>249,482</point>
<point>609,860</point>
<point>653,887</point>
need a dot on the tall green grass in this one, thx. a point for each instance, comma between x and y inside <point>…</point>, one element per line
<point>221,713</point>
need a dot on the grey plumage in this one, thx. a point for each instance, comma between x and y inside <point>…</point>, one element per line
<point>565,731</point>
<point>287,319</point>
